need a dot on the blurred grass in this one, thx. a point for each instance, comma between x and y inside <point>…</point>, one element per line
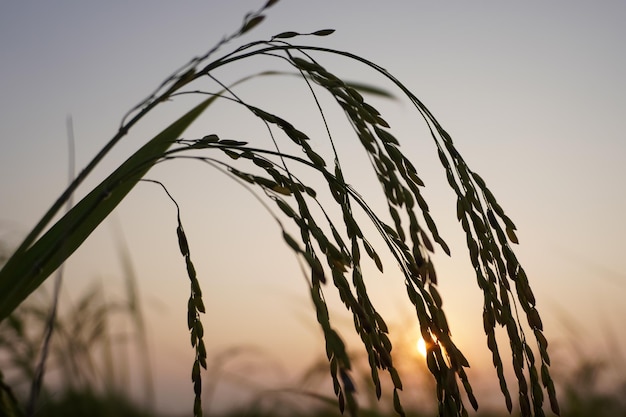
<point>591,381</point>
<point>86,361</point>
<point>89,403</point>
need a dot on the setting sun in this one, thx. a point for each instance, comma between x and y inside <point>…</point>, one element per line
<point>421,346</point>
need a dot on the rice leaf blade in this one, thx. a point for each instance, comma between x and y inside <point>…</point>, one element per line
<point>24,273</point>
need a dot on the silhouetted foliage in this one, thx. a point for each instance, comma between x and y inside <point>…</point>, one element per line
<point>333,252</point>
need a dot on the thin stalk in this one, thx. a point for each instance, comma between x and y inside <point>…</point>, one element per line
<point>58,281</point>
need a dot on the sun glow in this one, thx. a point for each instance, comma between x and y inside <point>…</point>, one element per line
<point>421,346</point>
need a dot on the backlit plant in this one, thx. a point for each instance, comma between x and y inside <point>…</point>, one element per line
<point>333,251</point>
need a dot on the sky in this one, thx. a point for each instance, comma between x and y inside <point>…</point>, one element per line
<point>533,95</point>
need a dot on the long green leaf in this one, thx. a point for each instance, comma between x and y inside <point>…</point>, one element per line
<point>25,271</point>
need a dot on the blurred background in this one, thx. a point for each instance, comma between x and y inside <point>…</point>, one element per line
<point>533,95</point>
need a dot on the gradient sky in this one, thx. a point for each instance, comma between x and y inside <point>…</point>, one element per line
<point>533,94</point>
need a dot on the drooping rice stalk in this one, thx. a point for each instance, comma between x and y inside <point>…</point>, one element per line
<point>333,251</point>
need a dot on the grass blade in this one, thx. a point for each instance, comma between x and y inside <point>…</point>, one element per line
<point>25,271</point>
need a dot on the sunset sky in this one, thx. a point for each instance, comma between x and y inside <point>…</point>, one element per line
<point>533,94</point>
